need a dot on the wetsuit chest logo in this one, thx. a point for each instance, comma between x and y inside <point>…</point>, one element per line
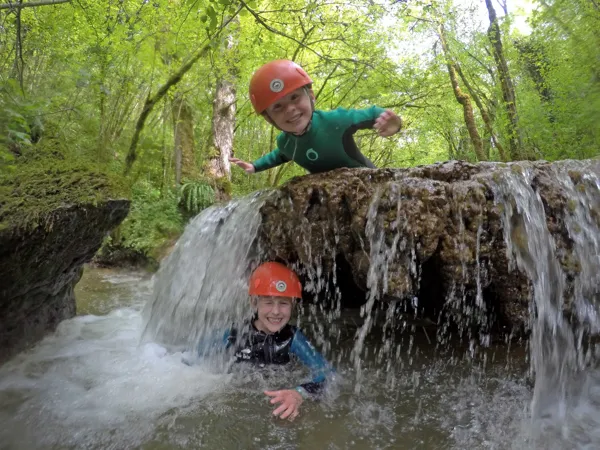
<point>311,155</point>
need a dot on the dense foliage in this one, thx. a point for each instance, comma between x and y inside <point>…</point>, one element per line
<point>76,76</point>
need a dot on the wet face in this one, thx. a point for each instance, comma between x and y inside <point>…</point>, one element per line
<point>293,112</point>
<point>273,313</point>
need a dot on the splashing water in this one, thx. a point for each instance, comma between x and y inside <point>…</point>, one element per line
<point>566,391</point>
<point>384,255</point>
<point>532,248</point>
<point>93,385</point>
<point>566,396</point>
<point>200,290</point>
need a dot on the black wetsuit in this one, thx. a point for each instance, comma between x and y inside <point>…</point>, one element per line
<point>260,348</point>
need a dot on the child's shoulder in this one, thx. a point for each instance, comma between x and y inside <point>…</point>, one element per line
<point>348,114</point>
<point>332,112</point>
<point>333,116</point>
<point>292,329</point>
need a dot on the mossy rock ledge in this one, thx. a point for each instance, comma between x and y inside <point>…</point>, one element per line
<point>441,229</point>
<point>52,220</point>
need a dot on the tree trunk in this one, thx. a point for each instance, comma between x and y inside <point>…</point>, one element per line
<point>506,84</point>
<point>487,120</point>
<point>152,100</point>
<point>462,98</point>
<point>22,5</point>
<point>536,62</point>
<point>223,123</point>
<point>102,100</point>
<point>19,63</point>
<point>183,130</point>
<point>166,153</point>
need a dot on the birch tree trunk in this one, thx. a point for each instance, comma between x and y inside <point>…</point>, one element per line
<point>223,123</point>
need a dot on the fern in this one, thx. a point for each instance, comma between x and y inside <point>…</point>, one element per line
<point>153,220</point>
<point>196,196</point>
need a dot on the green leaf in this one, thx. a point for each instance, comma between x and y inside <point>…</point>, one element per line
<point>210,11</point>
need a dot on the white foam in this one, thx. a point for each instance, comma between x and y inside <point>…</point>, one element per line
<point>90,379</point>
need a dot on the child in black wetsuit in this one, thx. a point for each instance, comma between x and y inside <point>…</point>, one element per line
<point>270,339</point>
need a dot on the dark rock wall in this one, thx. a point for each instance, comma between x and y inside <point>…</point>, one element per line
<point>41,265</point>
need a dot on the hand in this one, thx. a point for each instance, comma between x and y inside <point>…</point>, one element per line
<point>290,403</point>
<point>248,167</point>
<point>388,123</point>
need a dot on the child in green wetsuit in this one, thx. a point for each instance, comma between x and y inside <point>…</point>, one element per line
<point>317,140</point>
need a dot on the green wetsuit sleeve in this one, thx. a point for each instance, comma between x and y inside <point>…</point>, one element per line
<point>364,118</point>
<point>270,160</point>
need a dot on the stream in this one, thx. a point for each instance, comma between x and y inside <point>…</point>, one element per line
<point>124,372</point>
<point>92,385</point>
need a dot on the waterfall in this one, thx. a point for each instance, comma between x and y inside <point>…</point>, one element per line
<point>201,288</point>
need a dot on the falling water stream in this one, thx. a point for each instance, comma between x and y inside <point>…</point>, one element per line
<point>125,373</point>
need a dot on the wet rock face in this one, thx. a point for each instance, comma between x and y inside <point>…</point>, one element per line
<point>430,237</point>
<point>40,267</point>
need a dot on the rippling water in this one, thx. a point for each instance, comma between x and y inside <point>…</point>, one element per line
<point>115,377</point>
<point>92,385</point>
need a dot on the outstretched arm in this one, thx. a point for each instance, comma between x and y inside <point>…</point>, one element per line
<point>385,121</point>
<point>319,367</point>
<point>388,123</point>
<point>248,167</point>
<point>290,399</point>
<point>270,160</point>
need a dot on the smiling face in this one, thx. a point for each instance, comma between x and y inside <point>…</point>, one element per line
<point>273,313</point>
<point>293,112</point>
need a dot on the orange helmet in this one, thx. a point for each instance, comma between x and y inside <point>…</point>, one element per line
<point>275,279</point>
<point>275,80</point>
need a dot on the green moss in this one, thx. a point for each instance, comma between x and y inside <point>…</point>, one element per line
<point>516,168</point>
<point>224,185</point>
<point>576,176</point>
<point>38,186</point>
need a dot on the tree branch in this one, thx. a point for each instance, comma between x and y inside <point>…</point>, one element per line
<point>304,39</point>
<point>32,4</point>
<point>19,66</point>
<point>172,81</point>
<point>352,88</point>
<point>326,80</point>
<point>461,97</point>
<point>273,30</point>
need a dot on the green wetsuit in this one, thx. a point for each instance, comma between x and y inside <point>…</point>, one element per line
<point>327,145</point>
